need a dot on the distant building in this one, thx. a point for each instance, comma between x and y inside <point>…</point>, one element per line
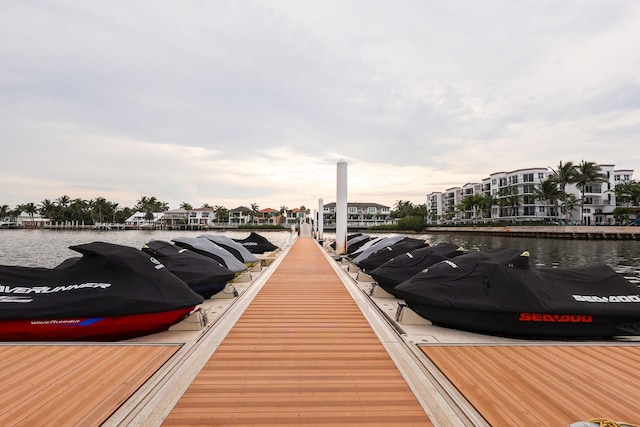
<point>516,198</point>
<point>269,216</point>
<point>240,216</point>
<point>144,220</point>
<point>359,215</point>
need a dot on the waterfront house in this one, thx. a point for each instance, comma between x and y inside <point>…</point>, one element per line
<point>144,220</point>
<point>359,215</point>
<point>240,216</point>
<point>269,216</point>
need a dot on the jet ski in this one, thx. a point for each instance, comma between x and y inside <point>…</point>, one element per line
<point>496,292</point>
<point>112,292</point>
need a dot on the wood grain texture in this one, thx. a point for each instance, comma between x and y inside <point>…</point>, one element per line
<point>79,385</point>
<point>301,354</point>
<point>545,385</point>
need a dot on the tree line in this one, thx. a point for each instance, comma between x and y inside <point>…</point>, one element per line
<point>100,210</point>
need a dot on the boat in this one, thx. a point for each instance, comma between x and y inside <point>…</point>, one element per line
<point>235,248</point>
<point>384,254</point>
<point>203,274</point>
<point>207,248</point>
<point>373,245</point>
<point>257,244</point>
<point>354,242</point>
<point>112,292</point>
<point>496,292</point>
<point>402,267</point>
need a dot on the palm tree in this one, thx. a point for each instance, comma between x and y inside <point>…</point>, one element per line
<point>31,209</point>
<point>77,209</point>
<point>186,206</point>
<point>50,210</point>
<point>4,212</point>
<point>570,204</point>
<point>63,201</point>
<point>564,175</point>
<point>587,173</point>
<point>628,193</point>
<point>283,211</point>
<point>485,202</point>
<point>254,211</point>
<point>548,192</point>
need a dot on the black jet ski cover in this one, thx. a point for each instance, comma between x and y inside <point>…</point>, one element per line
<point>402,267</point>
<point>239,251</point>
<point>349,237</point>
<point>203,274</point>
<point>207,248</point>
<point>497,292</point>
<point>382,255</point>
<point>109,280</point>
<point>354,243</point>
<point>256,244</point>
<point>365,250</point>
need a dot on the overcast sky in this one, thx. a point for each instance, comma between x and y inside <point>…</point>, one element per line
<point>238,102</point>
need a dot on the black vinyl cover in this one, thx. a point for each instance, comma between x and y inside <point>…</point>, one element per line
<point>203,274</point>
<point>208,248</point>
<point>257,244</point>
<point>499,281</point>
<point>402,267</point>
<point>349,237</point>
<point>384,254</point>
<point>354,243</point>
<point>108,280</point>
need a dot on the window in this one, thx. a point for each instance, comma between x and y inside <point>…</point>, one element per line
<point>371,210</point>
<point>527,189</point>
<point>527,177</point>
<point>529,210</point>
<point>352,209</point>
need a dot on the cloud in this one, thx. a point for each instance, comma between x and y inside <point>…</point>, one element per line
<point>239,102</point>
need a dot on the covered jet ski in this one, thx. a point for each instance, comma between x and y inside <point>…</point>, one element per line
<point>365,250</point>
<point>207,248</point>
<point>256,244</point>
<point>112,292</point>
<point>203,274</point>
<point>354,243</point>
<point>402,267</point>
<point>239,251</point>
<point>496,292</point>
<point>349,237</point>
<point>384,254</point>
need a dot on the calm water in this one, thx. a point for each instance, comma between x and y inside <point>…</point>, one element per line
<point>47,248</point>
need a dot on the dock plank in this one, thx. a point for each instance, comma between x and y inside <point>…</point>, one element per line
<point>301,354</point>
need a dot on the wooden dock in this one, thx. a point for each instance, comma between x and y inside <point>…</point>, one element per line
<point>307,343</point>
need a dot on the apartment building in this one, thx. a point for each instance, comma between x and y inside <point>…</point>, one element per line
<point>515,199</point>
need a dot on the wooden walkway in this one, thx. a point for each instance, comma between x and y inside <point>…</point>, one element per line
<point>72,385</point>
<point>301,354</point>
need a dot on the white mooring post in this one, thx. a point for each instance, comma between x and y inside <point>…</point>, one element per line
<point>320,219</point>
<point>341,208</point>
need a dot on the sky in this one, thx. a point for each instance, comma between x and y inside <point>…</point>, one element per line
<point>234,102</point>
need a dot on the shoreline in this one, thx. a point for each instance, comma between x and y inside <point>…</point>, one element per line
<point>550,232</point>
